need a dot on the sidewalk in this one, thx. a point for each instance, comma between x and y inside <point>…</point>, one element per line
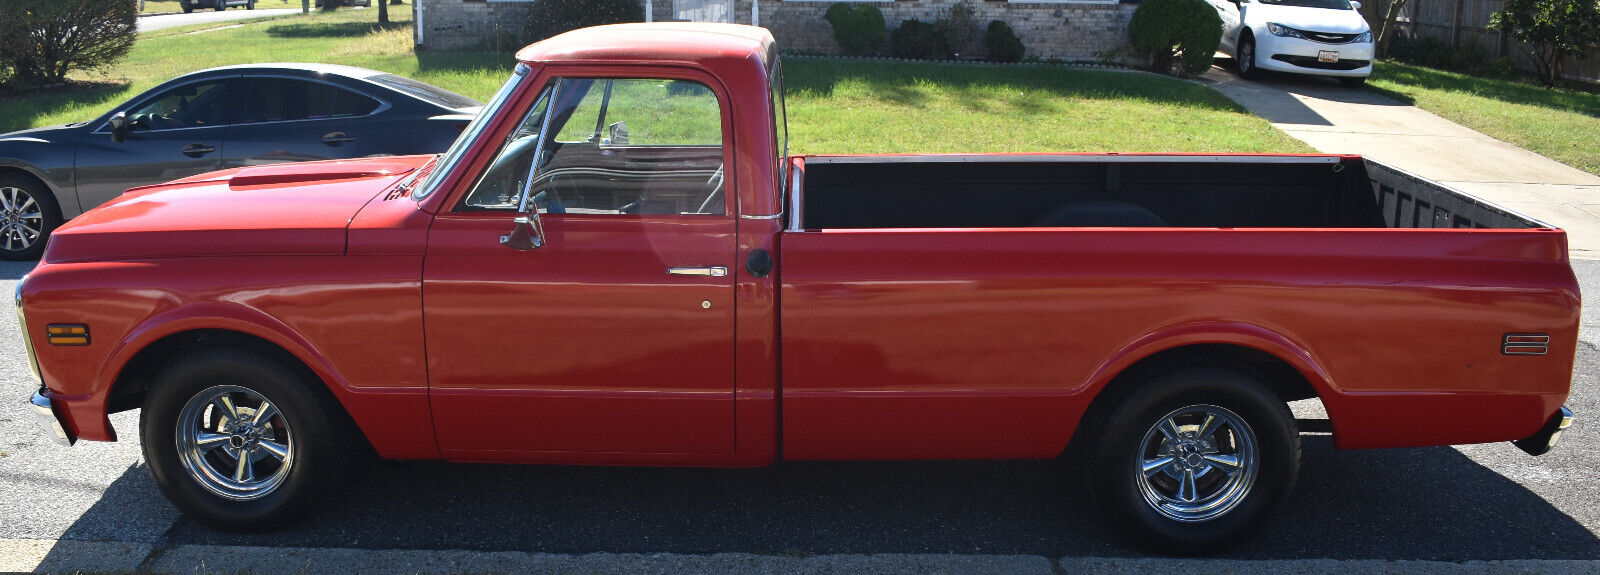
<point>1340,120</point>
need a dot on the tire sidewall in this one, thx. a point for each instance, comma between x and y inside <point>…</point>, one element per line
<point>1247,64</point>
<point>1115,459</point>
<point>314,450</point>
<point>49,208</point>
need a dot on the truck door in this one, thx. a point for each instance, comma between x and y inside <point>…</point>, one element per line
<point>616,334</point>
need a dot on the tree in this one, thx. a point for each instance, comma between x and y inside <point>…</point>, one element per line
<point>1549,31</point>
<point>46,39</point>
<point>383,13</point>
<point>1387,30</point>
<point>1176,31</point>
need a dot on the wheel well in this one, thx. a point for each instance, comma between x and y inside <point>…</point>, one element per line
<point>13,170</point>
<point>1286,381</point>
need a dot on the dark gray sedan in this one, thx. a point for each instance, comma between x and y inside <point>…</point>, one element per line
<point>210,120</point>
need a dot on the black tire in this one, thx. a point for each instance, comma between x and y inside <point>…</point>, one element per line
<point>1244,58</point>
<point>221,5</point>
<point>251,5</point>
<point>48,217</point>
<point>187,8</point>
<point>1120,446</point>
<point>310,418</point>
<point>1353,82</point>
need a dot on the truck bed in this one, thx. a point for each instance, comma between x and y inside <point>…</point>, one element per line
<point>1181,191</point>
<point>931,310</point>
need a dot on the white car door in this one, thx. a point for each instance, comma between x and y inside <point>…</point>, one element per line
<point>1231,19</point>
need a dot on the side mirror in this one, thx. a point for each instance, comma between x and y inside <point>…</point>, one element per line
<point>1356,5</point>
<point>617,134</point>
<point>119,127</point>
<point>528,233</point>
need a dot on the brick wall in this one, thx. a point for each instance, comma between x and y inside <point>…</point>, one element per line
<point>1067,31</point>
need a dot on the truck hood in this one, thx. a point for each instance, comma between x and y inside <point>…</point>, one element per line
<point>282,209</point>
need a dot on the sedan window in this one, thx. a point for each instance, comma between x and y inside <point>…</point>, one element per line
<point>282,99</point>
<point>187,106</point>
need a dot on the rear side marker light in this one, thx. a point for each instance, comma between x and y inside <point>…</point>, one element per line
<point>67,334</point>
<point>1525,344</point>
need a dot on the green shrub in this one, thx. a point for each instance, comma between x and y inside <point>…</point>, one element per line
<point>1182,31</point>
<point>1548,31</point>
<point>918,40</point>
<point>1001,44</point>
<point>957,26</point>
<point>43,40</point>
<point>547,18</point>
<point>1467,59</point>
<point>858,28</point>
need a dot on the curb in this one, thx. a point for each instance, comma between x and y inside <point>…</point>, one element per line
<point>48,556</point>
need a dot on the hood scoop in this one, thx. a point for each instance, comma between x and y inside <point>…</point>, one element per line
<point>315,172</point>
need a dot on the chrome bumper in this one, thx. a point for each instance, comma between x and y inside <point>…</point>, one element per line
<point>47,417</point>
<point>1546,438</point>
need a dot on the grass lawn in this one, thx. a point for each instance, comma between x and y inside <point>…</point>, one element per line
<point>835,106</point>
<point>1563,125</point>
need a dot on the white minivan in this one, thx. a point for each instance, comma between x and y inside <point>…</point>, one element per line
<point>1321,37</point>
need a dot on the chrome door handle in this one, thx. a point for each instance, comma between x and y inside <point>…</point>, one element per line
<point>197,149</point>
<point>716,272</point>
<point>336,138</point>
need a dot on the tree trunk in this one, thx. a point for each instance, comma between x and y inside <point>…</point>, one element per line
<point>383,12</point>
<point>305,6</point>
<point>1388,26</point>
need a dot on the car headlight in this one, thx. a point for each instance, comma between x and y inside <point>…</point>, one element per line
<point>1284,31</point>
<point>1364,38</point>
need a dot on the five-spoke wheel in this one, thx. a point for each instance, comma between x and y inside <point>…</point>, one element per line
<point>234,442</point>
<point>1199,462</point>
<point>1193,459</point>
<point>242,440</point>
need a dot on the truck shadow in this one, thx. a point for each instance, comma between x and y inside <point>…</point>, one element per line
<point>1433,504</point>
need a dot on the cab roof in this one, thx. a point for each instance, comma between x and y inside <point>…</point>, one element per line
<point>660,42</point>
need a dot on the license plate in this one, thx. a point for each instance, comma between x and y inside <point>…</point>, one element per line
<point>1328,56</point>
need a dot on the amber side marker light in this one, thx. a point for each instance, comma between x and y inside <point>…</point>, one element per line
<point>67,334</point>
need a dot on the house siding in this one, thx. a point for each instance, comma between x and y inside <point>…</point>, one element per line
<point>1068,31</point>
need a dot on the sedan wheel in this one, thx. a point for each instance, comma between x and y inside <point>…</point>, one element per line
<point>1246,59</point>
<point>28,214</point>
<point>21,220</point>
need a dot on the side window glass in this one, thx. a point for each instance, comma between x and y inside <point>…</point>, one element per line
<point>500,185</point>
<point>281,99</point>
<point>324,101</point>
<point>634,146</point>
<point>274,100</point>
<point>189,106</point>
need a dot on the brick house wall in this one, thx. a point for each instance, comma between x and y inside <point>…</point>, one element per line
<point>1065,30</point>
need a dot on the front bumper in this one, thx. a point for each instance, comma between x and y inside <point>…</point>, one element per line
<point>54,426</point>
<point>1543,441</point>
<point>1299,56</point>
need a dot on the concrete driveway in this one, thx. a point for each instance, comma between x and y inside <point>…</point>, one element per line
<point>151,23</point>
<point>1339,120</point>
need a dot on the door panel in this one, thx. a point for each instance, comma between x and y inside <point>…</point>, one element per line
<point>175,134</point>
<point>292,120</point>
<point>586,344</point>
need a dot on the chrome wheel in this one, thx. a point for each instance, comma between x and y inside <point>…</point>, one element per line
<point>234,443</point>
<point>1197,463</point>
<point>21,219</point>
<point>1247,57</point>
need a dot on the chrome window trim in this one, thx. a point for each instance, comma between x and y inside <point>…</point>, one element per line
<point>383,105</point>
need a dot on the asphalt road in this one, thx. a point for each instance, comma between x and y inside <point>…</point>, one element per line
<point>151,23</point>
<point>1483,502</point>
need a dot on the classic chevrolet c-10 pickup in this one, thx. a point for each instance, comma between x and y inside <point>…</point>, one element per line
<point>619,264</point>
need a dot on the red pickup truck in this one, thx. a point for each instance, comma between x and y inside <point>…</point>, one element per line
<point>618,264</point>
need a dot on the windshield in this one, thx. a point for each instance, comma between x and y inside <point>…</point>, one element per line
<point>424,91</point>
<point>448,160</point>
<point>1324,4</point>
